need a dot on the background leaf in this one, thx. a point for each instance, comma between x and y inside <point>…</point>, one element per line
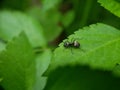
<point>1,79</point>
<point>68,18</point>
<point>49,20</point>
<point>111,5</point>
<point>17,65</point>
<point>52,21</point>
<point>17,22</point>
<point>42,63</point>
<point>15,4</point>
<point>99,50</point>
<point>49,4</point>
<point>84,15</point>
<point>2,45</point>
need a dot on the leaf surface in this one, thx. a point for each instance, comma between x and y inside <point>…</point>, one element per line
<point>12,23</point>
<point>42,63</point>
<point>98,42</point>
<point>17,65</point>
<point>90,66</point>
<point>111,5</point>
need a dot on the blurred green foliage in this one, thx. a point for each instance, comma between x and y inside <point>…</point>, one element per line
<point>45,23</point>
<point>51,14</point>
<point>15,4</point>
<point>81,78</point>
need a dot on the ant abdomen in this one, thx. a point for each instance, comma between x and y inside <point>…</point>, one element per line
<point>76,44</point>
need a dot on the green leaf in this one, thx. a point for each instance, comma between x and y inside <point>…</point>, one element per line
<point>81,78</point>
<point>12,23</point>
<point>42,63</point>
<point>17,65</point>
<point>1,79</point>
<point>111,5</point>
<point>98,42</point>
<point>49,20</point>
<point>53,21</point>
<point>68,18</point>
<point>2,46</point>
<point>15,4</point>
<point>83,10</point>
<point>99,51</point>
<point>49,4</point>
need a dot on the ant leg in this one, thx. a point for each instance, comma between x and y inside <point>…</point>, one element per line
<point>83,50</point>
<point>74,39</point>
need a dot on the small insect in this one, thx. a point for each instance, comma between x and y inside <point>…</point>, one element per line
<point>72,44</point>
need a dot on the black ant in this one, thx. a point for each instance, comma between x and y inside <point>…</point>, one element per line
<point>72,44</point>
